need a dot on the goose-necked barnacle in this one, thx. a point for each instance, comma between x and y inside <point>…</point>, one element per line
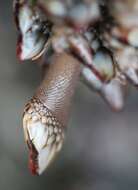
<point>94,39</point>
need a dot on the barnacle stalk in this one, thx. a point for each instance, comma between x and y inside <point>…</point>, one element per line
<point>46,115</point>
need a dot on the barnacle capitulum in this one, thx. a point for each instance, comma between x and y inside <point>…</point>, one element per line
<point>127,60</point>
<point>103,70</point>
<point>46,115</point>
<point>104,63</point>
<point>43,133</point>
<point>34,30</point>
<point>126,15</point>
<point>113,90</point>
<point>133,37</point>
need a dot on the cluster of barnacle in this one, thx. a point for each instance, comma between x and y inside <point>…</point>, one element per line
<point>97,39</point>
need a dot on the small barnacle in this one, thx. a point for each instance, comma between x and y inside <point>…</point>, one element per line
<point>42,142</point>
<point>33,28</point>
<point>127,60</point>
<point>112,91</point>
<point>133,37</point>
<point>79,13</point>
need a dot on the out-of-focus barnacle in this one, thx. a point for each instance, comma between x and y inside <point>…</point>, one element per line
<point>105,64</point>
<point>114,94</point>
<point>126,15</point>
<point>123,38</point>
<point>127,60</point>
<point>34,30</point>
<point>105,70</point>
<point>78,13</point>
<point>113,90</point>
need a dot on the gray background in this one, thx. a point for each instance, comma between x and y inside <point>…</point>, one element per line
<point>101,148</point>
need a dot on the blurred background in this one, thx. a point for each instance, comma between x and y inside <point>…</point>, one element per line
<point>101,148</point>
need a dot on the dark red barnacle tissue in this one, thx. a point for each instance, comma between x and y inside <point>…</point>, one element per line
<point>33,28</point>
<point>19,47</point>
<point>33,154</point>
